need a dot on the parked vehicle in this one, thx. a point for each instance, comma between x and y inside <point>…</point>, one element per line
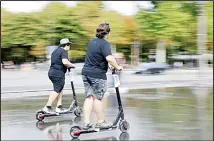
<point>152,68</point>
<point>8,65</point>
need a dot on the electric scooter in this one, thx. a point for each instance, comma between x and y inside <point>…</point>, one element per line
<point>124,126</point>
<point>73,108</point>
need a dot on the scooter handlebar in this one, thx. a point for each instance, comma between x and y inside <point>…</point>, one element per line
<point>113,71</point>
<point>115,78</point>
<point>71,74</point>
<point>69,69</point>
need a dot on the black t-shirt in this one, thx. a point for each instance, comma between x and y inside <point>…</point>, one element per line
<point>57,68</point>
<point>96,64</point>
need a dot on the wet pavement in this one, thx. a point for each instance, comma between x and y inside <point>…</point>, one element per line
<point>184,113</point>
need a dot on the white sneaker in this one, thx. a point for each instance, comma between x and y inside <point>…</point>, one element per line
<point>61,110</point>
<point>48,110</point>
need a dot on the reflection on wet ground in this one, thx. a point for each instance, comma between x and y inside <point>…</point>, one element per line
<point>153,114</point>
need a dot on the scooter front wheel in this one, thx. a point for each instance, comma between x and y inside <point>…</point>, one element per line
<point>40,115</point>
<point>74,130</point>
<point>124,126</point>
<point>78,111</point>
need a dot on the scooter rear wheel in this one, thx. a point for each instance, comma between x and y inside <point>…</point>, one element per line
<point>124,126</point>
<point>72,130</point>
<point>39,116</point>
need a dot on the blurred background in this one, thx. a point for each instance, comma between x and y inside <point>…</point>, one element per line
<point>161,32</point>
<point>165,47</point>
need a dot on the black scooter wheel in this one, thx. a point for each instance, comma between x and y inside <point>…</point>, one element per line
<point>72,130</point>
<point>124,136</point>
<point>124,126</point>
<point>39,115</point>
<point>78,111</point>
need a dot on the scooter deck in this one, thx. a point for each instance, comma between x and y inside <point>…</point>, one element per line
<point>93,129</point>
<point>56,114</point>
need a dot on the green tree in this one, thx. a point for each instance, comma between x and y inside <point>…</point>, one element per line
<point>91,14</point>
<point>25,32</point>
<point>19,33</point>
<point>170,21</point>
<point>209,13</point>
<point>60,22</point>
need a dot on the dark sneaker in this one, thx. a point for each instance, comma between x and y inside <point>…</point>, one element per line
<point>60,109</point>
<point>103,125</point>
<point>86,126</point>
<point>48,110</point>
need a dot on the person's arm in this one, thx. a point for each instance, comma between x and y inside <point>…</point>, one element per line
<point>67,63</point>
<point>65,60</point>
<point>111,60</point>
<point>106,51</point>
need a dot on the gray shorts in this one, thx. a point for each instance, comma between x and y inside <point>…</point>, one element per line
<point>94,86</point>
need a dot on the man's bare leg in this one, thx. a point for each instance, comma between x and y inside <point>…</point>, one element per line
<point>87,108</point>
<point>52,98</point>
<point>98,107</point>
<point>59,99</point>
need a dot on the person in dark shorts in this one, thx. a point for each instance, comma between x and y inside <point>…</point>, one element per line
<point>56,73</point>
<point>98,58</point>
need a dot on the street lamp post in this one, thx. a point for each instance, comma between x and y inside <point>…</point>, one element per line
<point>202,36</point>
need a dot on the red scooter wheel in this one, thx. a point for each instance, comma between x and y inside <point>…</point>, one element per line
<point>40,115</point>
<point>124,126</point>
<point>75,131</point>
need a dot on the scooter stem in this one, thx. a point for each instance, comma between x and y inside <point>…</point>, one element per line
<point>72,85</point>
<point>71,74</point>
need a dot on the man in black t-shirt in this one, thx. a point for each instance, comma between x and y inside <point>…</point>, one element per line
<point>94,75</point>
<point>56,73</point>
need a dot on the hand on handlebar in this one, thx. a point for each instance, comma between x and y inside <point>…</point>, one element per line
<point>119,68</point>
<point>110,67</point>
<point>73,67</point>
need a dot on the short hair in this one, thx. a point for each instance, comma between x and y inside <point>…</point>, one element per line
<point>102,30</point>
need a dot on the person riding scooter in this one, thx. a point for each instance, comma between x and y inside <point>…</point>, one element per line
<point>94,75</point>
<point>56,73</point>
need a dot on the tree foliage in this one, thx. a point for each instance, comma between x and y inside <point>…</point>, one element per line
<point>174,22</point>
<point>25,35</point>
<point>209,13</point>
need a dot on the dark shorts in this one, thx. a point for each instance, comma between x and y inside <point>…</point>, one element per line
<point>94,86</point>
<point>58,83</point>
